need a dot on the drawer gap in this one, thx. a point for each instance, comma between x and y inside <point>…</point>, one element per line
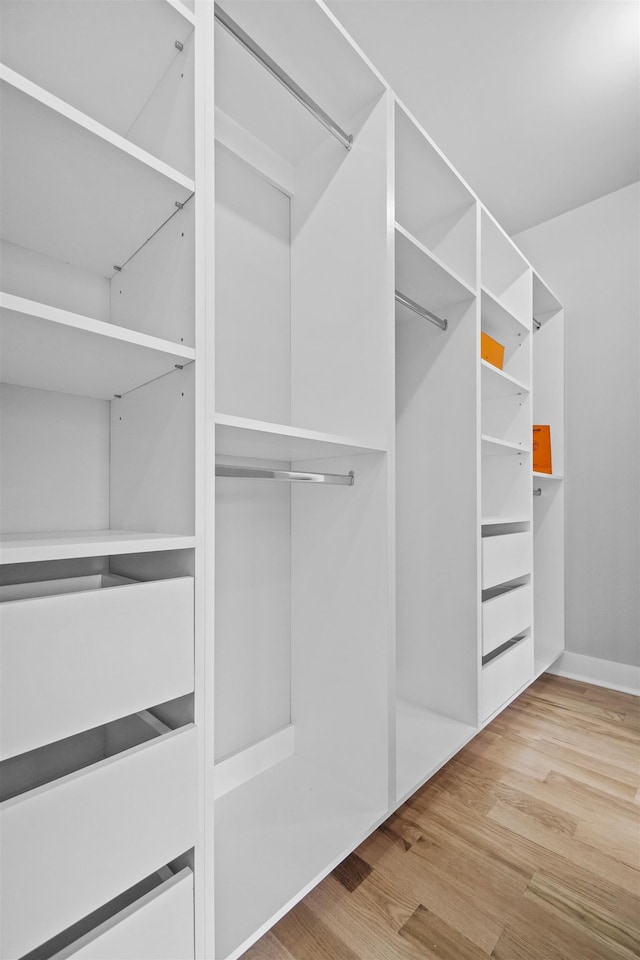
<point>58,947</point>
<point>35,768</point>
<point>502,648</point>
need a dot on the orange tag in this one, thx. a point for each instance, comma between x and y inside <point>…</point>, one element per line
<point>491,350</point>
<point>542,448</point>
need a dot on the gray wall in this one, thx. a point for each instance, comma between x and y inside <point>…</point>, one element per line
<point>590,257</point>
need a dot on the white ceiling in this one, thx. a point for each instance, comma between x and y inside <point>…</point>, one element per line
<point>535,102</point>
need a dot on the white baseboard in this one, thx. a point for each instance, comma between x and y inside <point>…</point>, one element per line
<point>604,673</point>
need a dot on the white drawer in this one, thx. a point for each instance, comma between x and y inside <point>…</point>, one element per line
<point>78,659</point>
<point>504,676</point>
<point>157,926</point>
<point>71,845</point>
<point>505,558</point>
<point>505,616</point>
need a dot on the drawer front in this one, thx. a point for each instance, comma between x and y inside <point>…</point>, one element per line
<point>505,616</point>
<point>75,844</point>
<point>504,676</point>
<point>75,661</point>
<point>159,926</point>
<point>505,558</point>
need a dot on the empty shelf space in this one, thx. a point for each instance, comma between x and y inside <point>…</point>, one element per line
<point>545,303</point>
<point>496,383</point>
<point>497,320</point>
<point>493,447</point>
<point>63,545</point>
<point>425,742</point>
<point>431,199</point>
<point>122,52</point>
<point>53,157</point>
<point>423,277</point>
<point>51,349</point>
<point>242,437</point>
<point>276,837</point>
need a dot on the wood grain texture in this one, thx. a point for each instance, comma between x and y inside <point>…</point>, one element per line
<point>525,846</point>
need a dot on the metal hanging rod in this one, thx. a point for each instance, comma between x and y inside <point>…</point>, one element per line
<point>536,323</point>
<point>537,491</point>
<point>259,473</point>
<point>421,311</point>
<point>262,57</point>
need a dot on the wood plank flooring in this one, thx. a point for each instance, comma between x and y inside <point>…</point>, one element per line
<point>526,846</point>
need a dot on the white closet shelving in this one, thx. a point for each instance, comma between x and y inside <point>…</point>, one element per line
<point>270,554</point>
<point>98,750</point>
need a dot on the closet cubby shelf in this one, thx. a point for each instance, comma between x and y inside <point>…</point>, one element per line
<point>242,437</point>
<point>423,277</point>
<point>496,383</point>
<point>53,155</point>
<point>493,447</point>
<point>64,545</point>
<point>51,349</point>
<point>277,835</point>
<point>425,742</point>
<point>115,91</point>
<point>547,476</point>
<point>497,320</point>
<point>506,519</point>
<point>545,303</point>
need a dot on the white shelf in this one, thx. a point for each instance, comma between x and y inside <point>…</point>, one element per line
<point>506,519</point>
<point>496,383</point>
<point>492,447</point>
<point>51,349</point>
<point>41,41</point>
<point>545,303</point>
<point>547,476</point>
<point>242,437</point>
<point>425,742</point>
<point>276,837</point>
<point>497,320</point>
<point>53,157</point>
<point>65,545</point>
<point>423,277</point>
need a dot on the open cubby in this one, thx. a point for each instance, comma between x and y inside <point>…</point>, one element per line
<point>135,60</point>
<point>432,202</point>
<point>505,273</point>
<point>301,608</point>
<point>301,320</point>
<point>436,505</point>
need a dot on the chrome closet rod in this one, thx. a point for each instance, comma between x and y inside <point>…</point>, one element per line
<point>261,473</point>
<point>262,57</point>
<point>421,311</point>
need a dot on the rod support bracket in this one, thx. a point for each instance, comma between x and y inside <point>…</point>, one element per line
<point>179,46</point>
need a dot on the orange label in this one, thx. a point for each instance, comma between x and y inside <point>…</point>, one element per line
<point>541,448</point>
<point>491,350</point>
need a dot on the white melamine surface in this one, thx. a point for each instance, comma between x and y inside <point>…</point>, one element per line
<point>124,815</point>
<point>63,544</point>
<point>276,836</point>
<point>497,383</point>
<point>302,40</point>
<point>497,320</point>
<point>74,661</point>
<point>55,461</point>
<point>548,570</point>
<point>504,676</point>
<point>56,44</point>
<point>153,456</point>
<point>52,349</point>
<point>424,742</point>
<point>239,437</point>
<point>158,926</point>
<point>422,277</point>
<point>51,165</point>
<point>253,293</point>
<point>505,557</point>
<point>431,200</point>
<point>340,307</point>
<point>494,447</point>
<point>506,615</point>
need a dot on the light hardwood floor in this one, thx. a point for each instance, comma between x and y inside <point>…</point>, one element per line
<point>526,846</point>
